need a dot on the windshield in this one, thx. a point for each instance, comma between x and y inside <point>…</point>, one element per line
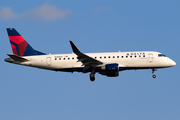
<point>161,55</point>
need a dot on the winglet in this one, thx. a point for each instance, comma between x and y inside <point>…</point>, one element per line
<point>75,49</point>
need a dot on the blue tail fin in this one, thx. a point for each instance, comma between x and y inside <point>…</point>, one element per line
<point>19,45</point>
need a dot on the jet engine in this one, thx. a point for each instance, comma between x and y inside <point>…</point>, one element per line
<point>110,70</point>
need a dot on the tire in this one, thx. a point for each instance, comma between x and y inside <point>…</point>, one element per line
<point>154,76</point>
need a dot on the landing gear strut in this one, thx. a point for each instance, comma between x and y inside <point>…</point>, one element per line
<point>92,76</point>
<point>153,71</point>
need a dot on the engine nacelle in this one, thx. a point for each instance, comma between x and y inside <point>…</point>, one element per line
<point>111,70</point>
<point>111,67</point>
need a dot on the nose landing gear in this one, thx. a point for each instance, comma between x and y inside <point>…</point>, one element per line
<point>154,76</point>
<point>153,71</point>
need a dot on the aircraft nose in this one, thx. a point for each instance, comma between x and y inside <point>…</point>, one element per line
<point>172,63</point>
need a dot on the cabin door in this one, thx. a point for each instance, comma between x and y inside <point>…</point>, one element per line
<point>150,57</point>
<point>48,61</point>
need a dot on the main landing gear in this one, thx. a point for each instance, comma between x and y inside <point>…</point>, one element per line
<point>153,71</point>
<point>92,76</point>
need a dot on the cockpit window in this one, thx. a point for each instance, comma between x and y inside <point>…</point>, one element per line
<point>161,55</point>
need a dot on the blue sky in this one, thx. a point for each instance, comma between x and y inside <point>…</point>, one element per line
<point>94,26</point>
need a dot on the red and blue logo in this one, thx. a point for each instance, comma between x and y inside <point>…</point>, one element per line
<point>19,45</point>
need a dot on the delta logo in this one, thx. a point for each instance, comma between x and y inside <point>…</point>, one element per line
<point>135,54</point>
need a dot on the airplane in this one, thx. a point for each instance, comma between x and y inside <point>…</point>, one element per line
<point>108,63</point>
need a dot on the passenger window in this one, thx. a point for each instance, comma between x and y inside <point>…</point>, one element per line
<point>64,58</point>
<point>135,56</point>
<point>121,56</point>
<point>117,56</point>
<point>126,56</point>
<point>55,59</point>
<point>104,56</point>
<point>73,58</point>
<point>59,58</point>
<point>113,56</point>
<point>109,57</point>
<point>130,56</point>
<point>100,57</point>
<point>143,55</point>
<point>95,57</point>
<point>68,58</point>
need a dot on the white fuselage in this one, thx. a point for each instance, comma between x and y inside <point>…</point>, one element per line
<point>131,60</point>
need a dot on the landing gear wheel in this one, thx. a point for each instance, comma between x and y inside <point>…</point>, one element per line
<point>92,77</point>
<point>153,71</point>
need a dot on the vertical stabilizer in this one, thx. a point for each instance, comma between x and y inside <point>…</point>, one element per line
<point>19,45</point>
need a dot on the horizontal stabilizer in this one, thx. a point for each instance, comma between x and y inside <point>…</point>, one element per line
<point>17,58</point>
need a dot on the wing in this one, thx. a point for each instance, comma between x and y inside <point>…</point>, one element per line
<point>85,59</point>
